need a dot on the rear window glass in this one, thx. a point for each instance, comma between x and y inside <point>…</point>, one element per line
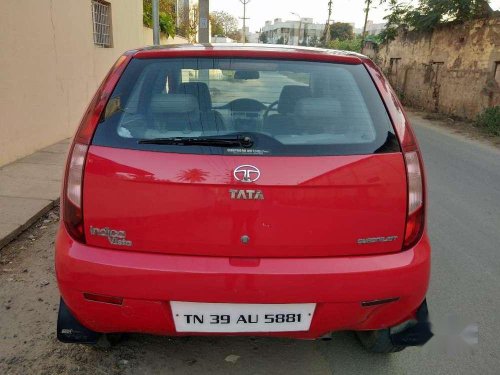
<point>285,107</point>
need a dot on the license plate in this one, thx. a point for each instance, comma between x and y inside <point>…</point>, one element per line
<point>241,317</point>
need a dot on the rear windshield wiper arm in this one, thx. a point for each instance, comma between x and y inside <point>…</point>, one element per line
<point>242,141</point>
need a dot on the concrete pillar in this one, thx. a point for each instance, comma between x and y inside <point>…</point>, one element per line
<point>204,21</point>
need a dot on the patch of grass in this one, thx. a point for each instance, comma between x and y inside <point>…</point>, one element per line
<point>489,121</point>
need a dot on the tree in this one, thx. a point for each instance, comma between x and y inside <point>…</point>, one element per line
<point>216,27</point>
<point>341,31</point>
<point>430,13</point>
<point>188,22</point>
<point>314,41</point>
<point>166,16</point>
<point>235,35</point>
<point>263,38</point>
<point>394,20</point>
<point>353,44</point>
<point>224,24</point>
<point>281,40</point>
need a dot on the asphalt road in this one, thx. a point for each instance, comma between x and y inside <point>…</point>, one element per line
<point>464,225</point>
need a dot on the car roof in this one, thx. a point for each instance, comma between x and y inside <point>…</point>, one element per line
<point>249,50</point>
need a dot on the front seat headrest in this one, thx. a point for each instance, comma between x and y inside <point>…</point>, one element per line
<point>200,91</point>
<point>289,96</point>
<point>174,104</point>
<point>318,108</point>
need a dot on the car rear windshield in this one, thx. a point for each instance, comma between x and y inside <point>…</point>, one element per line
<point>284,107</point>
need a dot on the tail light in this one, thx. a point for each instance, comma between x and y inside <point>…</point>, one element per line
<point>415,216</point>
<point>72,198</point>
<point>72,202</point>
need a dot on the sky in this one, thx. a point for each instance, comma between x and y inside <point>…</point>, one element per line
<point>260,11</point>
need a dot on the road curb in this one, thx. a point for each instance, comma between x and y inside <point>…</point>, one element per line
<point>21,228</point>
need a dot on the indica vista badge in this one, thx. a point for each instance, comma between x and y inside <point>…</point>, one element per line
<point>114,236</point>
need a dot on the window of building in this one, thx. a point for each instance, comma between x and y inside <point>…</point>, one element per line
<point>101,19</point>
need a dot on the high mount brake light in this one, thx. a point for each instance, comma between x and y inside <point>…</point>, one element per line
<point>72,208</point>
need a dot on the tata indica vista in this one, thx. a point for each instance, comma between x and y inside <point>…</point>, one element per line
<point>244,190</point>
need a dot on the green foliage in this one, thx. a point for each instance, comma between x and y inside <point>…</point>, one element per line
<point>314,41</point>
<point>353,45</point>
<point>263,38</point>
<point>224,24</point>
<point>216,27</point>
<point>430,13</point>
<point>396,18</point>
<point>281,40</point>
<point>341,31</point>
<point>166,16</point>
<point>489,120</point>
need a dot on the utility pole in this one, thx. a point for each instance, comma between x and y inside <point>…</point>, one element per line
<point>300,26</point>
<point>203,22</point>
<point>156,22</point>
<point>327,26</point>
<point>367,11</point>
<point>244,2</point>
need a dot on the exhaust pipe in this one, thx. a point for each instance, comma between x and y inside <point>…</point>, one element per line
<point>70,330</point>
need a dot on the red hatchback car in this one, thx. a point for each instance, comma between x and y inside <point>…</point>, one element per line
<point>244,190</point>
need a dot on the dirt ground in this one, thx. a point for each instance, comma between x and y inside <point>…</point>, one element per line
<point>28,312</point>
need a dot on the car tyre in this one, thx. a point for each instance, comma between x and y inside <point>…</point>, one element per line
<point>108,340</point>
<point>378,341</point>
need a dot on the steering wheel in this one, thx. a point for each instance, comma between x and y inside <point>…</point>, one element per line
<point>269,109</point>
<point>244,104</point>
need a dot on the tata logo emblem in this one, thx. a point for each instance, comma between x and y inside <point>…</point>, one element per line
<point>246,173</point>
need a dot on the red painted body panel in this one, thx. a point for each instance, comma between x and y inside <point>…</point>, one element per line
<point>148,281</point>
<point>180,203</point>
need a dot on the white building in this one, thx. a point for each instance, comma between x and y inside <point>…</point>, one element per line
<point>292,32</point>
<point>251,37</point>
<point>371,28</point>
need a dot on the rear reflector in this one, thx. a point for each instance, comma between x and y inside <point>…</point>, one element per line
<point>103,299</point>
<point>377,302</point>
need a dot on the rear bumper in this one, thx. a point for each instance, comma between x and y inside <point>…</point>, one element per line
<point>147,282</point>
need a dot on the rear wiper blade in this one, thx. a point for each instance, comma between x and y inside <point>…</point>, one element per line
<point>242,141</point>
